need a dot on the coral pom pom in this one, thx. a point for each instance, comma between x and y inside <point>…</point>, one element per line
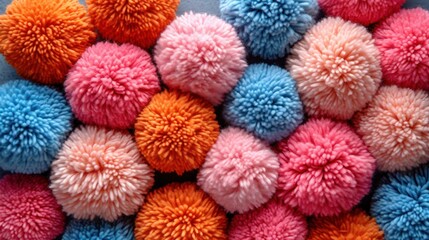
<point>121,229</point>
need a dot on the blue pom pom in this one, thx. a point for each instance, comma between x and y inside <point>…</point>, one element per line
<point>121,229</point>
<point>400,204</point>
<point>269,28</point>
<point>265,102</point>
<point>34,122</point>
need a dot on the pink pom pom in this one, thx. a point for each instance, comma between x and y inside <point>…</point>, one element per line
<point>325,168</point>
<point>201,54</point>
<point>274,220</point>
<point>361,11</point>
<point>28,210</point>
<point>100,173</point>
<point>403,41</point>
<point>110,85</point>
<point>240,171</point>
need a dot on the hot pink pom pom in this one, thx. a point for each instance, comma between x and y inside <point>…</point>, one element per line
<point>274,220</point>
<point>201,54</point>
<point>325,168</point>
<point>361,11</point>
<point>28,210</point>
<point>240,171</point>
<point>403,41</point>
<point>110,85</point>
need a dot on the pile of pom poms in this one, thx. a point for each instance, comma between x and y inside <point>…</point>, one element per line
<point>277,119</point>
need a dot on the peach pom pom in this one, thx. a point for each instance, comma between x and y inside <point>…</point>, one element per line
<point>100,173</point>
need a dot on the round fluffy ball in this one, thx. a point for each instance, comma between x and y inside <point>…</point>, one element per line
<point>265,102</point>
<point>394,126</point>
<point>34,122</point>
<point>269,28</point>
<point>100,173</point>
<point>175,131</point>
<point>28,209</point>
<point>401,204</point>
<point>403,41</point>
<point>202,54</point>
<point>136,22</point>
<point>347,226</point>
<point>362,12</point>
<point>325,168</point>
<point>110,85</point>
<point>179,212</point>
<point>240,171</point>
<point>42,39</point>
<point>121,229</point>
<point>336,67</point>
<point>274,220</point>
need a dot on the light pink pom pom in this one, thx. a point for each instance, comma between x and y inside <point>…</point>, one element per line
<point>325,168</point>
<point>110,85</point>
<point>100,173</point>
<point>240,171</point>
<point>201,54</point>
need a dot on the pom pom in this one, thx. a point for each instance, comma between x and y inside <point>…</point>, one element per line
<point>34,122</point>
<point>100,173</point>
<point>176,131</point>
<point>201,54</point>
<point>110,85</point>
<point>240,171</point>
<point>121,229</point>
<point>348,226</point>
<point>325,168</point>
<point>265,102</point>
<point>42,39</point>
<point>136,22</point>
<point>269,28</point>
<point>274,220</point>
<point>180,211</point>
<point>394,126</point>
<point>336,67</point>
<point>401,204</point>
<point>362,12</point>
<point>403,42</point>
<point>28,209</point>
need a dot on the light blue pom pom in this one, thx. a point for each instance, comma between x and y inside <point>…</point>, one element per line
<point>265,102</point>
<point>34,122</point>
<point>269,28</point>
<point>121,229</point>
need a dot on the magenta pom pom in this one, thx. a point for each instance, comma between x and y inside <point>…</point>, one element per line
<point>110,85</point>
<point>325,168</point>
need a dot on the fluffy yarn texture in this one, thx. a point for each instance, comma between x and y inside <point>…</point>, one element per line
<point>42,39</point>
<point>336,67</point>
<point>325,168</point>
<point>240,171</point>
<point>269,28</point>
<point>180,212</point>
<point>401,204</point>
<point>201,54</point>
<point>121,229</point>
<point>395,127</point>
<point>274,220</point>
<point>403,41</point>
<point>28,209</point>
<point>100,173</point>
<point>347,226</point>
<point>361,11</point>
<point>34,122</point>
<point>136,22</point>
<point>110,85</point>
<point>265,102</point>
<point>175,131</point>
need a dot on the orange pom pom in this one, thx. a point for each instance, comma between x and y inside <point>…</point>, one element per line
<point>139,22</point>
<point>42,39</point>
<point>176,131</point>
<point>180,211</point>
